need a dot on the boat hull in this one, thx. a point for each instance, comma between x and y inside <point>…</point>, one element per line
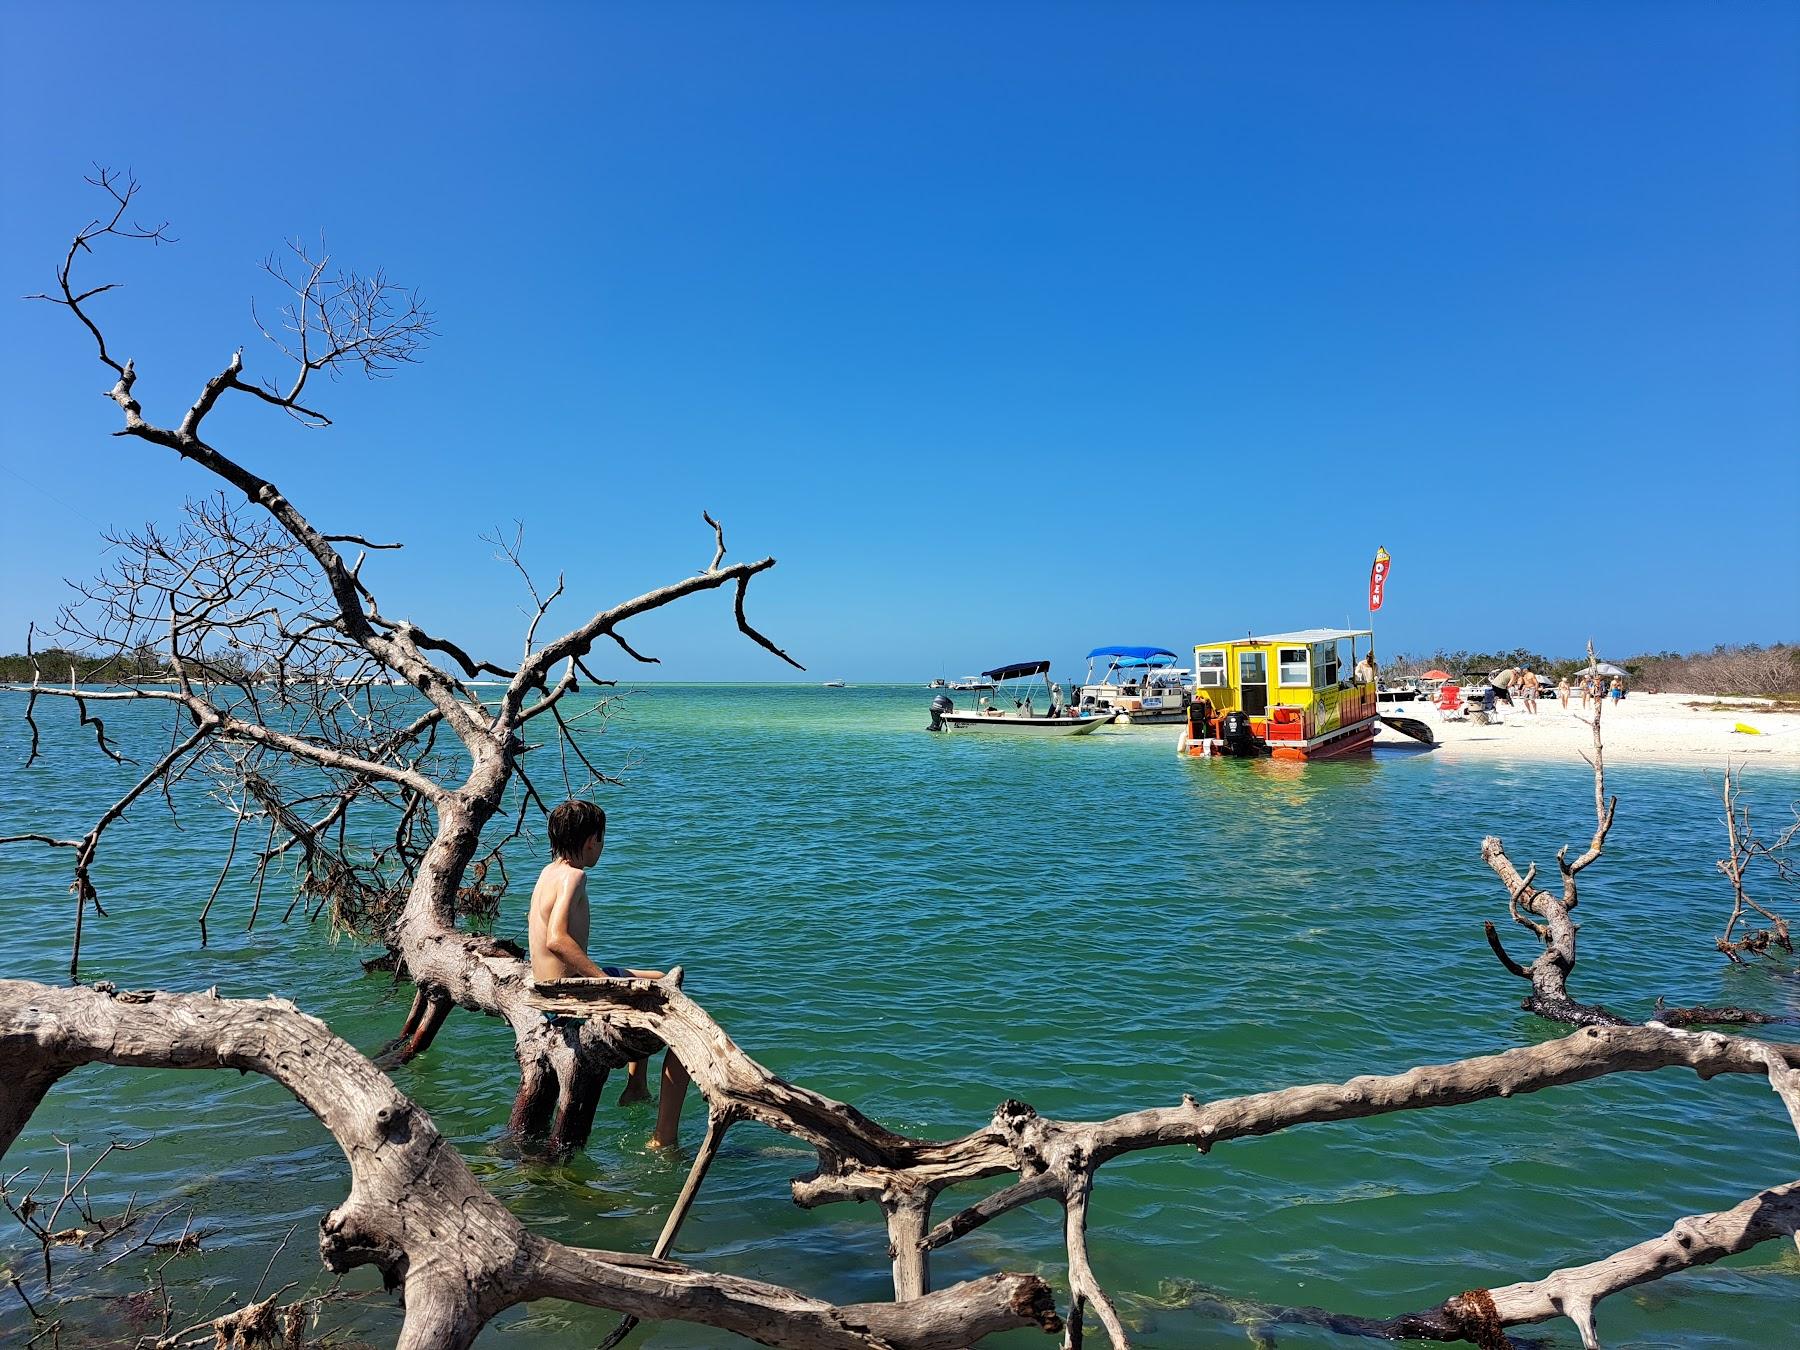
<point>1003,724</point>
<point>1356,739</point>
<point>1154,717</point>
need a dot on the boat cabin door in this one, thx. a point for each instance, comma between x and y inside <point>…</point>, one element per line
<point>1253,682</point>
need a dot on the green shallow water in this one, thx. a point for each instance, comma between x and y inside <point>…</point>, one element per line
<point>926,925</point>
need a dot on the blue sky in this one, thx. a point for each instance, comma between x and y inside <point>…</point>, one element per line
<point>1009,329</point>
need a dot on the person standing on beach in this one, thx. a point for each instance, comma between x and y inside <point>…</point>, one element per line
<point>1562,693</point>
<point>558,928</point>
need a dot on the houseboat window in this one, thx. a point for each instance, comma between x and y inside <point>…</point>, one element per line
<point>1293,667</point>
<point>1209,670</point>
<point>1325,665</point>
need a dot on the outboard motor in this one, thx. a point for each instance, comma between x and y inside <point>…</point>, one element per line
<point>939,706</point>
<point>1235,736</point>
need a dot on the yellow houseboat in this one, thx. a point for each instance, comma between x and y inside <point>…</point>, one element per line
<point>1305,695</point>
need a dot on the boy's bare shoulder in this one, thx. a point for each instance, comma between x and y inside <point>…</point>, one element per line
<point>557,883</point>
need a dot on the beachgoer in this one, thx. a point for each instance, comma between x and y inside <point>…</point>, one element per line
<point>1617,690</point>
<point>1562,692</point>
<point>558,929</point>
<point>1529,689</point>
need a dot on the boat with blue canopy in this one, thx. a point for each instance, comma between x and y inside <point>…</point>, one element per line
<point>1146,686</point>
<point>1011,707</point>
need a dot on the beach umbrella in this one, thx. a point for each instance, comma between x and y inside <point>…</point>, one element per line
<point>1435,675</point>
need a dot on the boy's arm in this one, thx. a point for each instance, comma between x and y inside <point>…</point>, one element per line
<point>559,941</point>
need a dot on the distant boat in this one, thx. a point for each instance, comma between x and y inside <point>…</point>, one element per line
<point>972,684</point>
<point>835,684</point>
<point>939,683</point>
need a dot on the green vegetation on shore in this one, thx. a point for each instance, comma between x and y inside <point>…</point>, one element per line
<point>55,663</point>
<point>1747,669</point>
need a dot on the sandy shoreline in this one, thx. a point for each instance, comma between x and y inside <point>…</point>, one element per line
<point>1641,728</point>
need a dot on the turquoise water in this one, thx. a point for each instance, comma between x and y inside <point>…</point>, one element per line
<point>926,925</point>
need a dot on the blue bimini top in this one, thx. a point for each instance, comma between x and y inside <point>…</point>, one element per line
<point>1139,653</point>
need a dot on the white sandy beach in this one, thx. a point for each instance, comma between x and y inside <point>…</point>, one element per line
<point>1640,728</point>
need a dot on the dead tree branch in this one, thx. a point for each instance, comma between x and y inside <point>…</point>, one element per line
<point>416,1213</point>
<point>1547,914</point>
<point>1550,912</point>
<point>1745,850</point>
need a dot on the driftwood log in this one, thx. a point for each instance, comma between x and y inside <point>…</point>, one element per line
<point>416,1213</point>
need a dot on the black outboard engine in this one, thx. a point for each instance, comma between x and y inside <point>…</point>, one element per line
<point>1235,736</point>
<point>939,706</point>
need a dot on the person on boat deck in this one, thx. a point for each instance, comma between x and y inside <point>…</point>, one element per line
<point>558,928</point>
<point>1366,669</point>
<point>1056,700</point>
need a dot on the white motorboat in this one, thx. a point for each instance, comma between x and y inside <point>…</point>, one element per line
<point>1142,684</point>
<point>991,716</point>
<point>972,684</point>
<point>834,684</point>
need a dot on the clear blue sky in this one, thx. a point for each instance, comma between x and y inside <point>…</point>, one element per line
<point>1010,329</point>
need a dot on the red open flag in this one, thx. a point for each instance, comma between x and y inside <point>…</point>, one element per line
<point>1378,575</point>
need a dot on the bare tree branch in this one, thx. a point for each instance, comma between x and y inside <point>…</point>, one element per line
<point>456,1277</point>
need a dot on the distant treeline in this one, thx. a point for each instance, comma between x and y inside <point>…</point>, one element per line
<point>55,663</point>
<point>138,663</point>
<point>1748,669</point>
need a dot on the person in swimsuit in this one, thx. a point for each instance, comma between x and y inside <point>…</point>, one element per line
<point>558,929</point>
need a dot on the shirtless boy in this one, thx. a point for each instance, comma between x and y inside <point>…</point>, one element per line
<point>559,940</point>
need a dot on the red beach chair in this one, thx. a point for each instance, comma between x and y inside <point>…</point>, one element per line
<point>1450,701</point>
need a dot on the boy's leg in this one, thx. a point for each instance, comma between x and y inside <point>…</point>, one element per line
<point>637,1084</point>
<point>673,1092</point>
<point>637,1077</point>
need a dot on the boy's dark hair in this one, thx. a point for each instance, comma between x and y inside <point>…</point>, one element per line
<point>572,824</point>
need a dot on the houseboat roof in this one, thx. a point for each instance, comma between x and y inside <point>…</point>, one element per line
<point>1302,638</point>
